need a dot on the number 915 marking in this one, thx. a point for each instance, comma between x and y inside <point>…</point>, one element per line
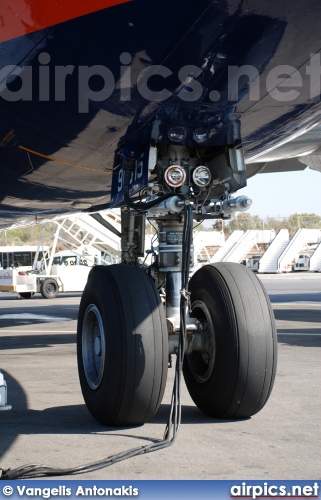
<point>135,176</point>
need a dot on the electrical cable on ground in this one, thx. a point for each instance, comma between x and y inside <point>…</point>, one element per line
<point>174,420</point>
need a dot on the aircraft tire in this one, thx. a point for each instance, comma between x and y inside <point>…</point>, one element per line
<point>49,288</point>
<point>122,345</point>
<point>235,378</point>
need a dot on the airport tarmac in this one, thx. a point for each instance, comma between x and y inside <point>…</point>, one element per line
<point>49,423</point>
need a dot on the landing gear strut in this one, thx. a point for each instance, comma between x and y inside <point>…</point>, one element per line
<point>134,316</point>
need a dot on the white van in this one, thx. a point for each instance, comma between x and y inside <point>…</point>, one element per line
<point>301,263</point>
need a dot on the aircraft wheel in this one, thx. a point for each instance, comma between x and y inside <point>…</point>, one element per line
<point>122,345</point>
<point>26,295</point>
<point>49,288</point>
<point>234,377</point>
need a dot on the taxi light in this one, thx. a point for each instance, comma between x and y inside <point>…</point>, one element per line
<point>175,176</point>
<point>202,176</point>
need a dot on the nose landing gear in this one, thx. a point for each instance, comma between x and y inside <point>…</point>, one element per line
<point>225,339</point>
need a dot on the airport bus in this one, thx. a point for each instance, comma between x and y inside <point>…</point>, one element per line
<point>16,256</point>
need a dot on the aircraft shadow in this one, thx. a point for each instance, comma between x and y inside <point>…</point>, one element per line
<point>73,419</point>
<point>18,400</point>
<point>50,310</point>
<point>300,315</point>
<point>275,298</point>
<point>13,296</point>
<point>35,341</point>
<point>190,415</point>
<point>304,340</point>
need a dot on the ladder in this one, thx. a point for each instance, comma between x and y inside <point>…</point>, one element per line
<point>269,260</point>
<point>240,250</point>
<point>231,241</point>
<point>80,233</point>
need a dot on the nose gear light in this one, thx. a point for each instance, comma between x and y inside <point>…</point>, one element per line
<point>177,134</point>
<point>200,135</point>
<point>202,176</point>
<point>175,176</point>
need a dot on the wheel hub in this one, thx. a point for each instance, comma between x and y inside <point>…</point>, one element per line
<point>202,363</point>
<point>93,346</point>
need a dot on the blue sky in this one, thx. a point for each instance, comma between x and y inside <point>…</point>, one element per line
<point>284,193</point>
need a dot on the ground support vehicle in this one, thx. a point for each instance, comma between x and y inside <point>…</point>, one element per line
<point>88,242</point>
<point>61,279</point>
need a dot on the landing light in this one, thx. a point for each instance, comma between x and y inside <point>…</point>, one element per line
<point>202,176</point>
<point>177,134</point>
<point>175,176</point>
<point>200,135</point>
